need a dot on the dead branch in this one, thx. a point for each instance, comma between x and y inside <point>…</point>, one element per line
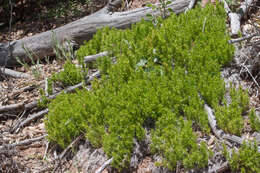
<point>220,169</point>
<point>91,58</point>
<point>29,120</point>
<point>25,142</point>
<point>212,122</point>
<point>191,5</point>
<point>235,18</point>
<point>11,107</point>
<point>61,156</point>
<point>243,38</point>
<point>104,165</point>
<point>13,73</point>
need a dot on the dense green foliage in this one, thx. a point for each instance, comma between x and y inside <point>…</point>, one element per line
<point>160,81</point>
<point>229,116</point>
<point>245,160</point>
<point>254,121</point>
<point>175,141</point>
<point>70,75</point>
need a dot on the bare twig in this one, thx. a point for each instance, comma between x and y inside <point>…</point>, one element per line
<point>243,38</point>
<point>251,75</point>
<point>191,5</point>
<point>29,120</point>
<point>46,87</point>
<point>226,7</point>
<point>104,165</point>
<point>25,142</point>
<point>33,104</point>
<point>91,58</point>
<point>204,24</point>
<point>61,156</point>
<point>46,150</point>
<point>219,169</point>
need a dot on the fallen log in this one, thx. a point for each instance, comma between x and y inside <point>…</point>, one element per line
<point>77,32</point>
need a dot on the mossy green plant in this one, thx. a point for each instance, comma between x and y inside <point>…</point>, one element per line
<point>176,142</point>
<point>245,160</point>
<point>70,75</point>
<point>162,76</point>
<point>254,121</point>
<point>229,116</point>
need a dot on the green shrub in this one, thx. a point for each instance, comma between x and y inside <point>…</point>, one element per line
<point>254,121</point>
<point>229,116</point>
<point>176,142</point>
<point>159,79</point>
<point>70,75</point>
<point>245,160</point>
<point>66,117</point>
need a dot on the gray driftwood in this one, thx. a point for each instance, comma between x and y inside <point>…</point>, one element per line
<point>91,58</point>
<point>77,32</point>
<point>13,73</point>
<point>235,17</point>
<point>25,142</point>
<point>30,119</point>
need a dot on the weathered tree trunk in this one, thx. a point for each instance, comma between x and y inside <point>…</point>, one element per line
<point>78,31</point>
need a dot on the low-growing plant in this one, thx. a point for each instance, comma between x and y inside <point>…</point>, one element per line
<point>43,101</point>
<point>66,115</point>
<point>162,7</point>
<point>229,116</point>
<point>35,69</point>
<point>245,160</point>
<point>63,51</point>
<point>70,75</point>
<point>176,142</point>
<point>162,77</point>
<point>254,121</point>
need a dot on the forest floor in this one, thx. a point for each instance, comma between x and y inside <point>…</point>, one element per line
<point>40,155</point>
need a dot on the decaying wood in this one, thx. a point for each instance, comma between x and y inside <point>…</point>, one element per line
<point>91,58</point>
<point>78,31</point>
<point>18,106</point>
<point>191,5</point>
<point>25,142</point>
<point>243,38</point>
<point>29,106</point>
<point>13,73</point>
<point>235,17</point>
<point>108,162</point>
<point>29,120</point>
<point>61,156</point>
<point>220,169</point>
<point>11,107</point>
